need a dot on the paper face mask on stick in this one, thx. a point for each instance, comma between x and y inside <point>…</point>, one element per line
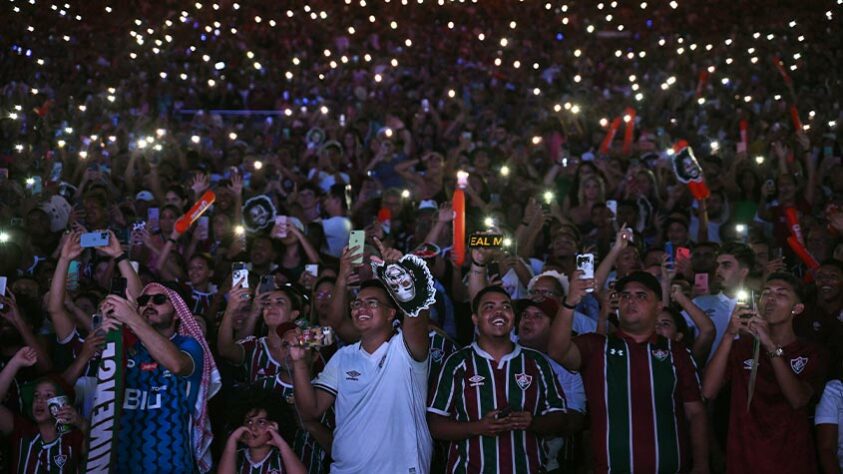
<point>258,213</point>
<point>409,282</point>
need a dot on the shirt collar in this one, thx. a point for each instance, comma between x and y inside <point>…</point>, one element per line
<point>516,350</point>
<point>628,338</point>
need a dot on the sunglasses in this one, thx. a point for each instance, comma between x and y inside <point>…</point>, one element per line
<point>159,299</point>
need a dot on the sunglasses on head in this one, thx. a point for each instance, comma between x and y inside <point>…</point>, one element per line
<point>160,298</point>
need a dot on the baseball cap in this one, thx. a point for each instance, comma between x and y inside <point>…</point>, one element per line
<point>547,306</point>
<point>644,278</point>
<point>144,196</point>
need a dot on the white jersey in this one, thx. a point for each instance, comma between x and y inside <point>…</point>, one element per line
<point>380,409</point>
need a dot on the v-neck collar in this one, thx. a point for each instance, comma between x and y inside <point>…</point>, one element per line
<point>515,352</point>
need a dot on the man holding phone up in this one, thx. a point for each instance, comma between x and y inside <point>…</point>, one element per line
<point>771,433</point>
<point>494,400</point>
<point>642,389</point>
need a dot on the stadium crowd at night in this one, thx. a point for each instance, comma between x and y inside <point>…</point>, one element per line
<point>417,236</point>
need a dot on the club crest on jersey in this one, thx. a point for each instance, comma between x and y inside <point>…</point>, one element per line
<point>437,354</point>
<point>798,364</point>
<point>60,460</point>
<point>747,364</point>
<point>352,375</point>
<point>523,380</point>
<point>660,354</point>
<point>477,380</point>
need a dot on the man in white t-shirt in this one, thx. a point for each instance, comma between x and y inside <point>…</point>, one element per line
<point>734,262</point>
<point>828,417</point>
<point>378,387</point>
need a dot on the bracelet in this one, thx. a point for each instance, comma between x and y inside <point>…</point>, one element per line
<point>121,257</point>
<point>566,305</point>
<point>474,262</point>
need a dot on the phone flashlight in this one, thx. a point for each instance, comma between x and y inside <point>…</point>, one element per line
<point>548,197</point>
<point>239,230</point>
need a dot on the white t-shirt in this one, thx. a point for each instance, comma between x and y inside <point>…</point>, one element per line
<point>830,412</point>
<point>336,229</point>
<point>719,308</point>
<point>380,409</point>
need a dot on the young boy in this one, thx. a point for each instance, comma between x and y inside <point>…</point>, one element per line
<point>264,450</point>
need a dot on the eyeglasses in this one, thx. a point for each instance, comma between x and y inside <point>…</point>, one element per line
<point>543,292</point>
<point>158,299</point>
<point>371,304</point>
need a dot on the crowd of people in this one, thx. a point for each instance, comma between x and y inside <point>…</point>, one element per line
<point>428,237</point>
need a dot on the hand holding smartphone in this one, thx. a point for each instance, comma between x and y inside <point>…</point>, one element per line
<point>585,264</point>
<point>357,238</point>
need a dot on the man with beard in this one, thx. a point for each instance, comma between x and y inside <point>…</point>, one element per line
<point>169,377</point>
<point>377,387</point>
<point>734,262</point>
<point>636,381</point>
<point>771,432</point>
<point>495,399</point>
<point>822,324</point>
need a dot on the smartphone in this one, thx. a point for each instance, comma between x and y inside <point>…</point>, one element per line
<point>669,252</point>
<point>152,218</point>
<point>239,274</point>
<point>504,412</point>
<point>585,264</point>
<point>683,254</point>
<point>71,283</point>
<point>118,287</point>
<point>3,281</point>
<point>494,270</point>
<point>94,239</point>
<point>34,185</point>
<point>701,284</point>
<point>203,226</point>
<point>55,172</point>
<point>425,105</point>
<point>267,284</point>
<point>357,238</point>
<point>612,205</point>
<point>316,337</point>
<point>312,269</point>
<point>280,229</point>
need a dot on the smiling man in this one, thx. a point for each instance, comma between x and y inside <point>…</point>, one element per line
<point>377,387</point>
<point>495,399</point>
<point>642,389</point>
<point>772,434</point>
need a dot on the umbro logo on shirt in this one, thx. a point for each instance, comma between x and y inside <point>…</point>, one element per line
<point>477,381</point>
<point>617,352</point>
<point>747,364</point>
<point>352,375</point>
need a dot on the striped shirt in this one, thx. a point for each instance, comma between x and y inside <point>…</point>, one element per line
<point>656,377</point>
<point>441,346</point>
<point>471,384</point>
<point>31,454</point>
<point>271,464</point>
<point>265,372</point>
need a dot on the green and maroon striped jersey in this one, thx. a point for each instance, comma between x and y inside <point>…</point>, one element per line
<point>262,370</point>
<point>471,384</point>
<point>635,394</point>
<point>441,346</point>
<point>271,464</point>
<point>33,455</point>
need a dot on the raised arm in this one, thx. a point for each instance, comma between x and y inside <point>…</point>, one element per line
<point>161,348</point>
<point>17,320</point>
<point>24,357</point>
<point>605,267</point>
<point>62,321</point>
<point>715,371</point>
<point>703,341</point>
<point>561,347</point>
<point>226,345</point>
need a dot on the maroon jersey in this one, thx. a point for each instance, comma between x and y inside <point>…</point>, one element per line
<point>635,393</point>
<point>262,369</point>
<point>771,436</point>
<point>31,454</point>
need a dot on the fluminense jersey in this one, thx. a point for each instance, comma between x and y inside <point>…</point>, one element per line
<point>271,464</point>
<point>635,393</point>
<point>154,427</point>
<point>472,383</point>
<point>31,455</point>
<point>262,370</point>
<point>441,346</point>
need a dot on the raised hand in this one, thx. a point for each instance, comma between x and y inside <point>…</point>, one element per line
<point>71,248</point>
<point>200,183</point>
<point>388,254</point>
<point>24,357</point>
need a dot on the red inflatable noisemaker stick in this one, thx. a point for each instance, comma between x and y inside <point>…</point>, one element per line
<point>794,117</point>
<point>701,82</point>
<point>458,205</point>
<point>199,208</point>
<point>793,223</point>
<point>743,145</point>
<point>629,130</point>
<point>610,135</point>
<point>802,253</point>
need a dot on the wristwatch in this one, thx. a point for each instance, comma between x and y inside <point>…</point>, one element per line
<point>778,352</point>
